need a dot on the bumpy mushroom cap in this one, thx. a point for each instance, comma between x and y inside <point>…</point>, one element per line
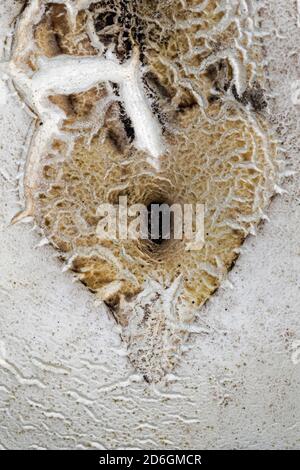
<point>201,76</point>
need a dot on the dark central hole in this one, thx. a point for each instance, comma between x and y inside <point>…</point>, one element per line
<point>159,222</point>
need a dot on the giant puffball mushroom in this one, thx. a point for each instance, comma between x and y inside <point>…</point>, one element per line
<point>161,102</point>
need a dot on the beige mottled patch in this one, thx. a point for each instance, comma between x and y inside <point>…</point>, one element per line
<point>219,152</point>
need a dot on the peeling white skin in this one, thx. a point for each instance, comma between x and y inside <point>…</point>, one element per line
<point>67,75</point>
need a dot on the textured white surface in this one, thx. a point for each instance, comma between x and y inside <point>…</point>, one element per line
<point>84,73</point>
<point>65,381</point>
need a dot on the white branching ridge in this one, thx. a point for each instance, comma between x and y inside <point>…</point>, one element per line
<point>66,75</point>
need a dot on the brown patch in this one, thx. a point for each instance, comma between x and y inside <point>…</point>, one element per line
<point>254,96</point>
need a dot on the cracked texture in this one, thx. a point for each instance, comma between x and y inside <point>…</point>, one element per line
<point>207,94</point>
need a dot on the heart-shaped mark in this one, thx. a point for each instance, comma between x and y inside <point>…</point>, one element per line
<point>158,102</point>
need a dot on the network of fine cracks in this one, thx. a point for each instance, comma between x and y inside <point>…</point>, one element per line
<point>158,102</point>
